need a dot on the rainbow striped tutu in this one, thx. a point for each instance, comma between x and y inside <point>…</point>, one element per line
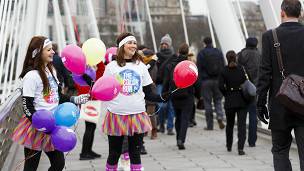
<point>119,125</point>
<point>24,134</point>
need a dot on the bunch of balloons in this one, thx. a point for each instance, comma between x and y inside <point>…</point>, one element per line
<point>57,125</point>
<point>80,60</point>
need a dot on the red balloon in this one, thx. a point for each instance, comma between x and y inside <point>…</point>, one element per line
<point>185,74</point>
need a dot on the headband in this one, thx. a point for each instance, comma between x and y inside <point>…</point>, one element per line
<point>45,44</point>
<point>125,40</point>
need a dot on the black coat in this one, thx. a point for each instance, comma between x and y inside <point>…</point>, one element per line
<point>229,84</point>
<point>164,57</point>
<point>183,96</point>
<point>249,58</point>
<point>291,38</point>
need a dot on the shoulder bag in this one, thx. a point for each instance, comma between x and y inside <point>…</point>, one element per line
<point>291,92</point>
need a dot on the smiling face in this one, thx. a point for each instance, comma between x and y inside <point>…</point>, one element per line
<point>47,54</point>
<point>130,48</point>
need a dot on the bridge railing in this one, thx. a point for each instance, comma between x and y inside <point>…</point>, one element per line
<point>10,114</point>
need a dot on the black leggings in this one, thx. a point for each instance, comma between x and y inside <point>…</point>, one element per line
<point>115,148</point>
<point>31,164</point>
<point>88,137</point>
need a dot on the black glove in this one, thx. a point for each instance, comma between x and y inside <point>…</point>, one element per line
<point>165,96</point>
<point>87,79</point>
<point>262,113</point>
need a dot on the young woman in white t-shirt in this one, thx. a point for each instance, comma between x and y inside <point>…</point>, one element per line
<point>126,114</point>
<point>40,90</point>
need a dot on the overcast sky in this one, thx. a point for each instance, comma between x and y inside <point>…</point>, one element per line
<point>198,7</point>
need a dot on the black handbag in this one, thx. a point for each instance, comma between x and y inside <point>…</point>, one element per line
<point>291,92</point>
<point>248,89</point>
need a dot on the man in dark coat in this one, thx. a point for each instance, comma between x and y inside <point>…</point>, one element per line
<point>210,63</point>
<point>249,58</point>
<point>282,121</point>
<point>165,55</point>
<point>182,99</point>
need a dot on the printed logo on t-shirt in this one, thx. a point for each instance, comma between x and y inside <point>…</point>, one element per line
<point>130,82</point>
<point>52,95</point>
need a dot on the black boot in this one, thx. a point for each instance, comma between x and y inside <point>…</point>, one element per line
<point>180,145</point>
<point>96,155</point>
<point>143,150</point>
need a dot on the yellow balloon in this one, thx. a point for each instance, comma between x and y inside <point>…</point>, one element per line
<point>94,50</point>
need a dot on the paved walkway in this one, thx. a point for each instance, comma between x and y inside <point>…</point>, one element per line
<point>205,151</point>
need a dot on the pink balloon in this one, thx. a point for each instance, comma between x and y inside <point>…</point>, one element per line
<point>109,54</point>
<point>106,88</point>
<point>73,59</point>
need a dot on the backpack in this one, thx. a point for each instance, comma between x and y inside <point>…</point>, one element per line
<point>213,63</point>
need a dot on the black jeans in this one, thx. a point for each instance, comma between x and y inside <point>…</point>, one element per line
<point>192,117</point>
<point>115,148</point>
<point>241,125</point>
<point>182,114</point>
<point>211,92</point>
<point>252,130</point>
<point>33,157</point>
<point>281,141</point>
<point>88,137</point>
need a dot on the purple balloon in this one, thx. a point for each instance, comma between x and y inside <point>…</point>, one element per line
<point>63,139</point>
<point>80,81</point>
<point>43,120</point>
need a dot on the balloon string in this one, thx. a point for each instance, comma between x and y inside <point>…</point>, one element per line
<point>76,126</point>
<point>174,90</point>
<point>160,106</point>
<point>25,159</point>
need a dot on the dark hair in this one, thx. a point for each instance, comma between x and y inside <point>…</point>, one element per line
<point>36,63</point>
<point>292,8</point>
<point>207,40</point>
<point>120,51</point>
<point>141,47</point>
<point>183,49</point>
<point>55,47</point>
<point>231,59</point>
<point>251,42</point>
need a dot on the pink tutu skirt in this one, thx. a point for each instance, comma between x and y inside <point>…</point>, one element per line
<point>24,134</point>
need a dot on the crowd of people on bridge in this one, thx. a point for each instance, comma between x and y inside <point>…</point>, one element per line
<point>154,104</point>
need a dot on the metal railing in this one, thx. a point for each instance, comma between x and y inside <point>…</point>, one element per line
<point>10,114</point>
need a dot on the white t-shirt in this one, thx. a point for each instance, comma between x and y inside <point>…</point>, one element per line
<point>133,77</point>
<point>33,87</point>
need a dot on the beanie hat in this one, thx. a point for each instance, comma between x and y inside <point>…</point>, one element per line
<point>166,39</point>
<point>251,42</point>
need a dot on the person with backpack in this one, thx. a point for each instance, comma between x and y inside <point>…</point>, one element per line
<point>182,99</point>
<point>249,59</point>
<point>210,63</point>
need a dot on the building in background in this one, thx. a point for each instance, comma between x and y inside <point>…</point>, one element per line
<point>116,16</point>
